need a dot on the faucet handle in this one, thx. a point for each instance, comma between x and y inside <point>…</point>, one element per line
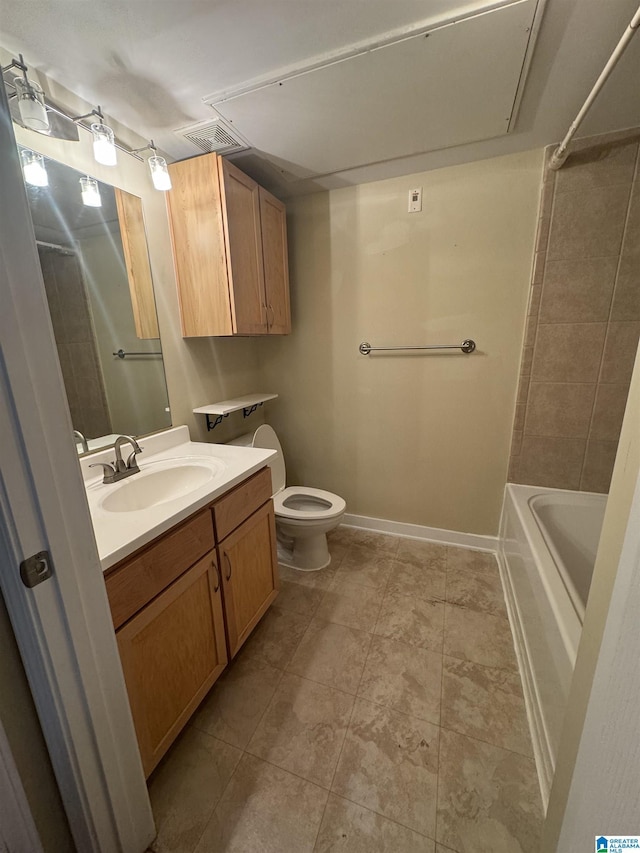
<point>108,470</point>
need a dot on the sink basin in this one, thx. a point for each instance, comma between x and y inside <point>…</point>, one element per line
<point>154,486</point>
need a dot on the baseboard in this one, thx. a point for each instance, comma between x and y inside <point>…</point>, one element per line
<point>419,531</point>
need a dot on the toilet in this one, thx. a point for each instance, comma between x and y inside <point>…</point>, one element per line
<point>304,515</point>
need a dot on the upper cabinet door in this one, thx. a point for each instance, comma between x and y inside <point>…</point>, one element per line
<point>273,216</point>
<point>241,205</point>
<point>197,229</point>
<point>136,256</point>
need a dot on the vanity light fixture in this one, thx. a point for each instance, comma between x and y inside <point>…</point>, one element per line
<point>104,141</point>
<point>30,95</point>
<point>33,168</point>
<point>157,166</point>
<point>90,192</point>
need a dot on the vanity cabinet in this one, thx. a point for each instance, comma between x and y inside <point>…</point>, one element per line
<point>230,251</point>
<point>246,535</point>
<point>183,606</point>
<point>172,652</point>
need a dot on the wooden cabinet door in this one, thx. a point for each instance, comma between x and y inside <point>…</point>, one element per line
<point>172,652</point>
<point>241,206</point>
<point>273,218</point>
<point>136,256</point>
<point>199,251</point>
<point>249,567</point>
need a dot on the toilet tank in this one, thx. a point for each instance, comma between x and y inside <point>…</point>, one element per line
<point>265,437</point>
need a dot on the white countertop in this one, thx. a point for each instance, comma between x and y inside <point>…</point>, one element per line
<point>119,534</point>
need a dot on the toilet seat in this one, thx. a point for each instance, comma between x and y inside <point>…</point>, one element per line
<point>323,505</point>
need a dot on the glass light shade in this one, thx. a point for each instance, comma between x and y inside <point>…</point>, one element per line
<point>104,148</point>
<point>33,168</point>
<point>90,192</point>
<point>31,105</point>
<point>159,173</point>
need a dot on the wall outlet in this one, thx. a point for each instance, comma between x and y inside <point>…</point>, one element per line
<point>415,200</point>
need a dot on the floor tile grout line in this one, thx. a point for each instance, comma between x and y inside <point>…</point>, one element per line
<point>530,756</point>
<point>383,816</point>
<point>444,634</point>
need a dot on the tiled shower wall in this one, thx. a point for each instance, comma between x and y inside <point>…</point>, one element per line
<point>75,341</point>
<point>583,319</point>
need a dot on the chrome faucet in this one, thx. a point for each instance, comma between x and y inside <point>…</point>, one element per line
<point>80,439</point>
<point>119,469</point>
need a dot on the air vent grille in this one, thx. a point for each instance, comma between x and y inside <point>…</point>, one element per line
<point>214,136</point>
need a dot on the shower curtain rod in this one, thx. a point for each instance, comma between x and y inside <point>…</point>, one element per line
<point>561,153</point>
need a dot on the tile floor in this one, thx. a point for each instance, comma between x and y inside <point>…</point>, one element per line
<point>377,708</point>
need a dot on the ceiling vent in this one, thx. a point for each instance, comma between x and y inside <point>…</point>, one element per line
<point>214,135</point>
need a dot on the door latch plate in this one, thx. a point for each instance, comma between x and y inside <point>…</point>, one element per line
<point>36,569</point>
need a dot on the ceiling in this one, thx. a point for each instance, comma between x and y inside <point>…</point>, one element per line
<point>301,81</point>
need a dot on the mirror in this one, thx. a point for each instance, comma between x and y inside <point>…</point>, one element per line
<point>97,277</point>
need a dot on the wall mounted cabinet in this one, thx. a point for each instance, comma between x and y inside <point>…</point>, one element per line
<point>230,251</point>
<point>184,605</point>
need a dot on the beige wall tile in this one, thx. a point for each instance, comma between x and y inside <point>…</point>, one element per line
<point>619,352</point>
<point>516,442</point>
<point>527,361</point>
<point>542,234</point>
<point>598,166</point>
<point>535,295</point>
<point>546,199</point>
<point>554,462</point>
<point>559,409</point>
<point>578,290</point>
<point>588,223</point>
<point>608,412</point>
<point>518,423</point>
<point>631,243</point>
<point>538,267</point>
<point>626,296</point>
<point>523,389</point>
<point>598,466</point>
<point>530,331</point>
<point>568,352</point>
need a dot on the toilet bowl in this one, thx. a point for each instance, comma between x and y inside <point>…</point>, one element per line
<point>304,515</point>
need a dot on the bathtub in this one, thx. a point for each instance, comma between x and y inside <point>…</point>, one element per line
<point>547,549</point>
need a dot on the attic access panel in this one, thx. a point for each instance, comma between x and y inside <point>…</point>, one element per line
<point>457,84</point>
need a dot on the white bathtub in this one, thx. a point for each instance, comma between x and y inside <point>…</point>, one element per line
<point>547,549</point>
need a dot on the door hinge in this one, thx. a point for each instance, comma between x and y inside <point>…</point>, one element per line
<point>36,569</point>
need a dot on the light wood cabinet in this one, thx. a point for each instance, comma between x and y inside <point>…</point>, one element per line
<point>172,652</point>
<point>136,257</point>
<point>248,563</point>
<point>230,251</point>
<point>185,604</point>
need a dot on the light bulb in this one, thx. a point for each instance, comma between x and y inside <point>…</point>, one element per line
<point>159,173</point>
<point>104,148</point>
<point>90,192</point>
<point>31,105</point>
<point>33,168</point>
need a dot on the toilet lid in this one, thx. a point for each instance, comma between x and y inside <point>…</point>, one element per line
<point>265,438</point>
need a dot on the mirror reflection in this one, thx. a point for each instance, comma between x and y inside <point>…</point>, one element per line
<point>95,264</point>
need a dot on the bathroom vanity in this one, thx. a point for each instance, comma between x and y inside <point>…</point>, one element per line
<point>185,600</point>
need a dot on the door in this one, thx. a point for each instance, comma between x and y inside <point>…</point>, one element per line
<point>273,219</point>
<point>249,567</point>
<point>62,625</point>
<point>241,210</point>
<point>172,652</point>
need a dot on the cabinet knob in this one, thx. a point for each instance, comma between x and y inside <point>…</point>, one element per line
<point>226,556</point>
<point>214,565</point>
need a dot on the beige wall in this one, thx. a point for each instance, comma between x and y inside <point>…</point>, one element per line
<point>584,319</point>
<point>412,438</point>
